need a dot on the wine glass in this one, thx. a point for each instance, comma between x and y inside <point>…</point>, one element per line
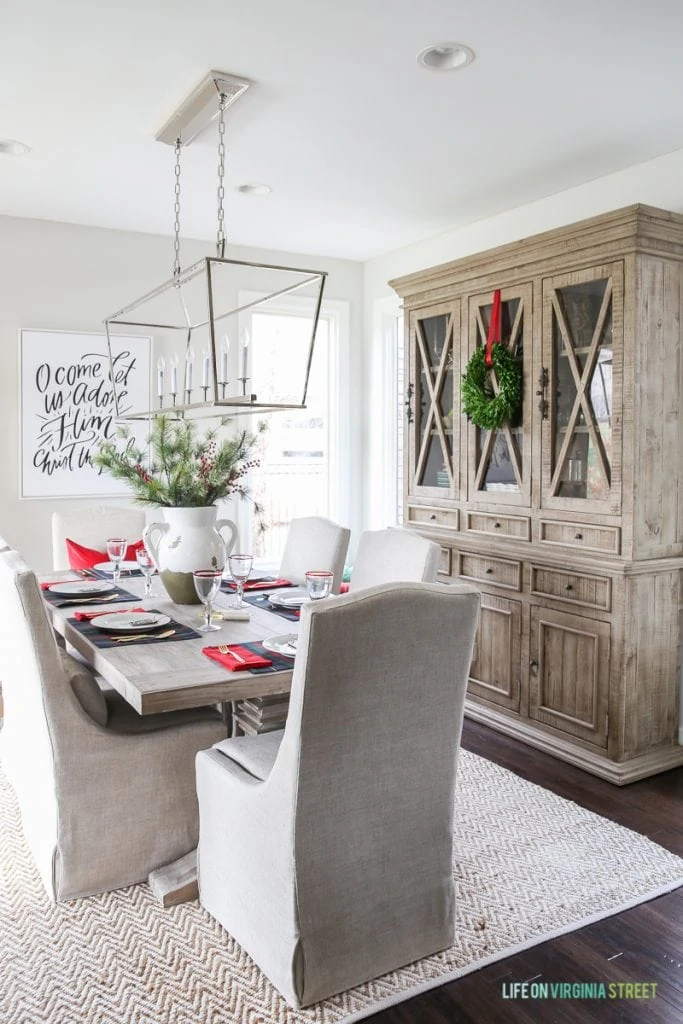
<point>240,567</point>
<point>146,564</point>
<point>207,583</point>
<point>116,549</point>
<point>319,583</point>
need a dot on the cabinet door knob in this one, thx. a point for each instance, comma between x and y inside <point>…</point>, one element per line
<point>496,526</point>
<point>533,665</point>
<point>489,571</point>
<point>569,587</point>
<point>578,536</point>
<point>433,515</point>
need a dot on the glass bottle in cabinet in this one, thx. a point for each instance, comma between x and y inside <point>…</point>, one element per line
<point>430,402</point>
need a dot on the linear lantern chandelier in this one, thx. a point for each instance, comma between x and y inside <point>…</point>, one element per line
<point>215,349</point>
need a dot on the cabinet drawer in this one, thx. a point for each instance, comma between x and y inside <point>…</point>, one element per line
<point>518,527</point>
<point>581,535</point>
<point>498,572</point>
<point>444,566</point>
<point>573,587</point>
<point>445,517</point>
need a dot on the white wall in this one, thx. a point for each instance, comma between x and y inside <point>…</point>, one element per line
<point>655,183</point>
<point>69,277</point>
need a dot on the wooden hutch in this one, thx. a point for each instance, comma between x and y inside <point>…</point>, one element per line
<point>569,519</point>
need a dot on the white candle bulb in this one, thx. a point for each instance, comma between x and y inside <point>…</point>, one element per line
<point>174,374</point>
<point>225,353</point>
<point>245,346</point>
<point>189,360</point>
<point>161,366</point>
<point>205,367</point>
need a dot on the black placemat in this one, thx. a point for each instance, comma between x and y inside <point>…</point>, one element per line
<point>101,574</point>
<point>278,665</point>
<point>62,601</point>
<point>101,639</point>
<point>263,601</point>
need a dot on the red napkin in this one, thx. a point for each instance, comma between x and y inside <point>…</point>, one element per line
<point>251,660</point>
<point>261,584</point>
<point>87,616</point>
<point>86,558</point>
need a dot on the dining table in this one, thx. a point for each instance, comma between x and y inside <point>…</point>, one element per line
<point>175,674</point>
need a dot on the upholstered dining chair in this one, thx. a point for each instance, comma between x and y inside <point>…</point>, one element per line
<point>105,794</point>
<point>393,556</point>
<point>325,849</point>
<point>91,527</point>
<point>314,542</point>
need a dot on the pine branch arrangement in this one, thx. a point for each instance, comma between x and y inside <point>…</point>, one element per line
<point>180,468</point>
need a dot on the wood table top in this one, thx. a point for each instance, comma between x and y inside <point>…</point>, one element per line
<point>175,675</point>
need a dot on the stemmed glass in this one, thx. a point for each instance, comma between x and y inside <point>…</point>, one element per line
<point>116,549</point>
<point>240,567</point>
<point>144,560</point>
<point>207,583</point>
<point>319,583</point>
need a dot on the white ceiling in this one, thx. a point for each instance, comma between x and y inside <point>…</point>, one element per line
<point>365,151</point>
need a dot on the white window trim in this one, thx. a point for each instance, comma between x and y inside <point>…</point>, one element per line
<point>337,311</point>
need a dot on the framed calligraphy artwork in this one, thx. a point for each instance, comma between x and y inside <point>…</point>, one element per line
<point>67,408</point>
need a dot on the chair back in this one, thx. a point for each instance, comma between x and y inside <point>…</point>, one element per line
<point>4,546</point>
<point>371,745</point>
<point>394,556</point>
<point>91,527</point>
<point>314,542</point>
<point>36,695</point>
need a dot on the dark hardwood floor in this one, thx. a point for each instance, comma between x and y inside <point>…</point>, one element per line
<point>644,944</point>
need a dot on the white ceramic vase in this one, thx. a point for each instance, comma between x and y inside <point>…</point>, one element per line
<point>188,539</point>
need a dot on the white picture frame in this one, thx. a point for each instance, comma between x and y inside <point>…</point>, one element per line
<point>67,408</point>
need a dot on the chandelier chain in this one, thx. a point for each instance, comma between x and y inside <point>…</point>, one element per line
<point>176,211</point>
<point>220,235</point>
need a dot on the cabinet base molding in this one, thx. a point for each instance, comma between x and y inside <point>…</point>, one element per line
<point>618,773</point>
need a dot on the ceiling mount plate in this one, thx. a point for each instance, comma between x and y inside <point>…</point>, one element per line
<point>200,108</point>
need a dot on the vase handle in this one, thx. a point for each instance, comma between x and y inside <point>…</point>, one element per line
<point>150,544</point>
<point>227,523</point>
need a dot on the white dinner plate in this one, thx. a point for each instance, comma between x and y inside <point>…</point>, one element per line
<point>130,622</point>
<point>109,567</point>
<point>284,645</point>
<point>294,597</point>
<point>86,587</point>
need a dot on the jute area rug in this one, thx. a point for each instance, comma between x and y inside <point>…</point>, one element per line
<point>528,866</point>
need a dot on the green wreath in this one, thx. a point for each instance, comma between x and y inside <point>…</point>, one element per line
<point>479,401</point>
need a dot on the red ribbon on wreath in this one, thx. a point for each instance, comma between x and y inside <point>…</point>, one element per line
<point>494,329</point>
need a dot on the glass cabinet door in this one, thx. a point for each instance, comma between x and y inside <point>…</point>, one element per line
<point>430,411</point>
<point>582,364</point>
<point>499,461</point>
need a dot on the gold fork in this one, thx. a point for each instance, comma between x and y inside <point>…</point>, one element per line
<point>224,649</point>
<point>89,600</point>
<point>143,636</point>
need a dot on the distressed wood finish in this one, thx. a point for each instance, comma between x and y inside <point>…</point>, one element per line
<point>598,582</point>
<point>172,676</point>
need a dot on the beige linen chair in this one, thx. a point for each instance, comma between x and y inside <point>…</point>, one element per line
<point>102,803</point>
<point>394,556</point>
<point>91,527</point>
<point>325,850</point>
<point>314,543</point>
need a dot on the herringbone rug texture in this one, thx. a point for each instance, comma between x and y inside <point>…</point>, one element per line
<point>528,865</point>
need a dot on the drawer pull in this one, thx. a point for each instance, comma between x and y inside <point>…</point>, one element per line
<point>578,536</point>
<point>489,571</point>
<point>533,665</point>
<point>433,515</point>
<point>496,526</point>
<point>569,586</point>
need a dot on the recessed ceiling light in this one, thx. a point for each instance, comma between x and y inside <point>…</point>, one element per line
<point>255,189</point>
<point>445,57</point>
<point>13,148</point>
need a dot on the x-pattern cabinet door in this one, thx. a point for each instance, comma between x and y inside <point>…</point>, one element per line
<point>583,354</point>
<point>432,405</point>
<point>499,461</point>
